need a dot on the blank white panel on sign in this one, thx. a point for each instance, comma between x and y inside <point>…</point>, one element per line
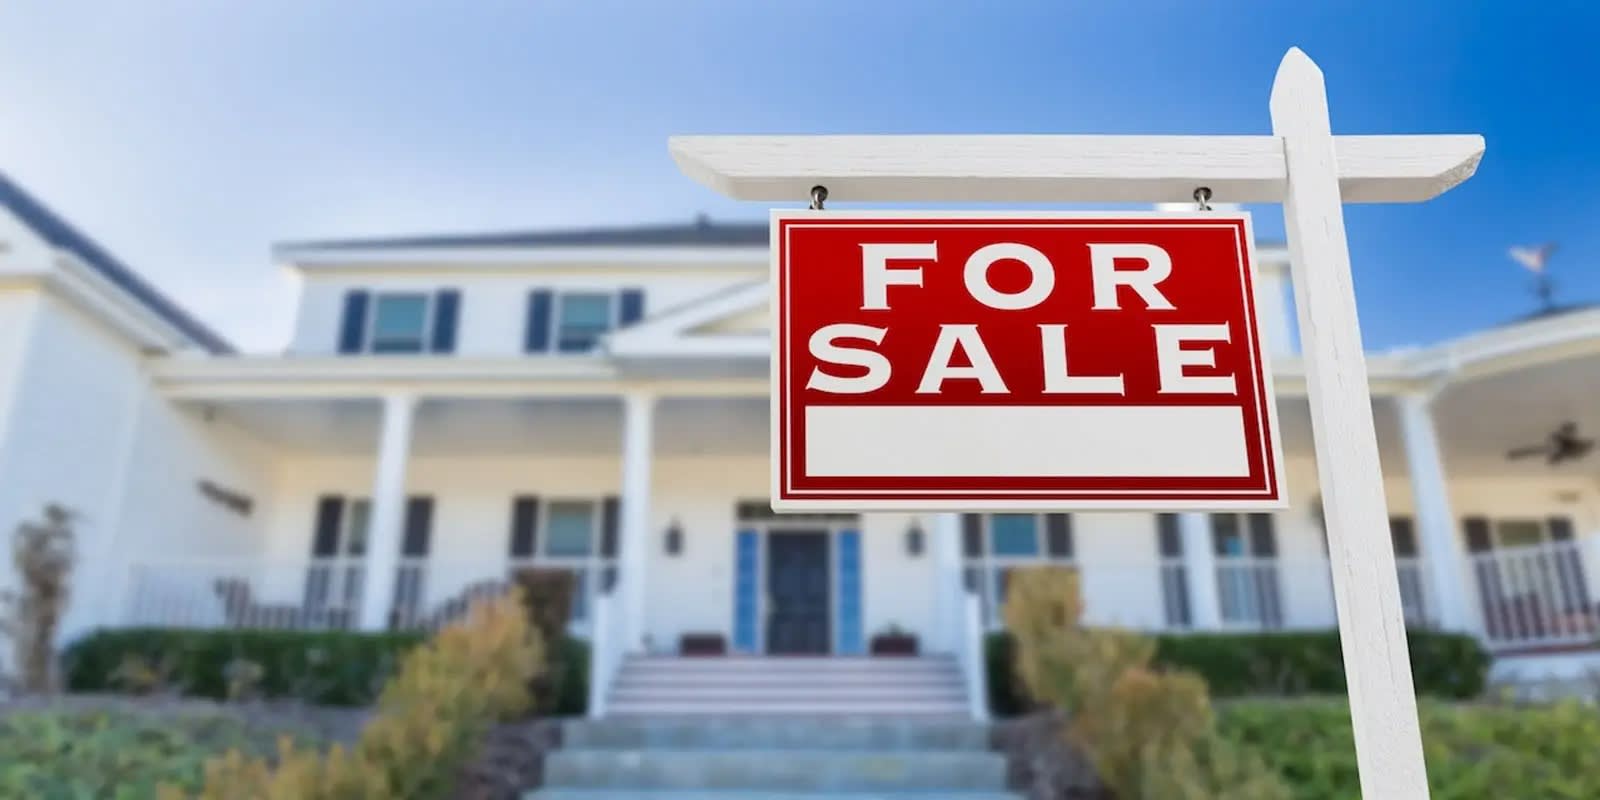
<point>998,441</point>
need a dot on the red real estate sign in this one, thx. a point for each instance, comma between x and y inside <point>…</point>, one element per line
<point>993,361</point>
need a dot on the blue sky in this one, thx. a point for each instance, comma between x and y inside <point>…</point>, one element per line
<point>190,136</point>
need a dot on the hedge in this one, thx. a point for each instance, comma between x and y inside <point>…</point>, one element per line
<point>1473,750</point>
<point>340,668</point>
<point>1452,666</point>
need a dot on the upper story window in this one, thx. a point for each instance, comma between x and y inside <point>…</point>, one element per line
<point>574,321</point>
<point>399,322</point>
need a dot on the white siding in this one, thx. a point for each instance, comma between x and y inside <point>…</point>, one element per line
<point>493,314</point>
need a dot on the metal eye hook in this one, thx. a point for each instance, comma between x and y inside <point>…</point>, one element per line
<point>819,195</point>
<point>1202,198</point>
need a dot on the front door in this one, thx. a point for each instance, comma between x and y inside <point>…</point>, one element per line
<point>797,593</point>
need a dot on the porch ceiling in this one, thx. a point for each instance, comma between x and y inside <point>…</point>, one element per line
<point>1481,418</point>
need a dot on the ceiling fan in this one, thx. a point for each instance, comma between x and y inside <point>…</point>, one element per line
<point>1563,444</point>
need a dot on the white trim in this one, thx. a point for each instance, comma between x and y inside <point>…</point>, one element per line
<point>1064,169</point>
<point>668,334</point>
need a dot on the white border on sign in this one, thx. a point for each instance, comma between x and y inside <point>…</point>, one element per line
<point>931,499</point>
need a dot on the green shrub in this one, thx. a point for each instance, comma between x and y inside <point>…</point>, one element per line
<point>69,754</point>
<point>431,718</point>
<point>1449,666</point>
<point>1473,750</point>
<point>342,668</point>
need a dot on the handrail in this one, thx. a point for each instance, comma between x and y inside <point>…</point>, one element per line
<point>974,664</point>
<point>600,656</point>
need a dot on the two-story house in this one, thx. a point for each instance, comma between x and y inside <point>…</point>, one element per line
<point>453,407</point>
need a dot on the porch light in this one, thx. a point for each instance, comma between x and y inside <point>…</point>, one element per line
<point>674,541</point>
<point>914,538</point>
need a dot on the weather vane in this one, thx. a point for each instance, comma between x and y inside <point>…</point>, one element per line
<point>1535,259</point>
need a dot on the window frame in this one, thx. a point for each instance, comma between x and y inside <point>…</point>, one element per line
<point>613,300</point>
<point>1245,577</point>
<point>589,569</point>
<point>990,567</point>
<point>369,343</point>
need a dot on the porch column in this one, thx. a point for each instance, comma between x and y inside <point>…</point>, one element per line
<point>1441,548</point>
<point>388,511</point>
<point>949,588</point>
<point>638,433</point>
<point>1200,561</point>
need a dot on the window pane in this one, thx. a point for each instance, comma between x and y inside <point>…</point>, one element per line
<point>399,323</point>
<point>584,317</point>
<point>360,517</point>
<point>571,530</point>
<point>1226,537</point>
<point>1520,532</point>
<point>1014,535</point>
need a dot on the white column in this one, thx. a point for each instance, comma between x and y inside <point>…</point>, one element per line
<point>638,418</point>
<point>1442,553</point>
<point>949,591</point>
<point>388,511</point>
<point>1200,562</point>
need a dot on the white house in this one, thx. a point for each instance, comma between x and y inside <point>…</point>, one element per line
<point>452,407</point>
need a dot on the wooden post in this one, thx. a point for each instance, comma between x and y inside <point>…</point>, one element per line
<point>1372,628</point>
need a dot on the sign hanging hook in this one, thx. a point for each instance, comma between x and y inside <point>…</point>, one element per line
<point>1202,198</point>
<point>819,195</point>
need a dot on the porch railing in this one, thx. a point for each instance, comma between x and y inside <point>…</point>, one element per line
<point>317,594</point>
<point>1532,597</point>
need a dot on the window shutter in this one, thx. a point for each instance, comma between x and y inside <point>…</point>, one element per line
<point>353,327</point>
<point>1477,532</point>
<point>325,536</point>
<point>418,528</point>
<point>537,337</point>
<point>1404,536</point>
<point>632,310</point>
<point>446,313</point>
<point>524,526</point>
<point>972,535</point>
<point>1560,529</point>
<point>1169,539</point>
<point>1263,544</point>
<point>610,510</point>
<point>1058,535</point>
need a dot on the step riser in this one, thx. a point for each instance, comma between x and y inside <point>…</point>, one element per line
<point>790,770</point>
<point>758,734</point>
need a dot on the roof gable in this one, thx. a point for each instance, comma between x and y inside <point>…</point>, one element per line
<point>60,234</point>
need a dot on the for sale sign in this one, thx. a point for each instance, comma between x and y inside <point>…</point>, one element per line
<point>991,361</point>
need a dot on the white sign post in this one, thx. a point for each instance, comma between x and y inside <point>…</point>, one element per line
<point>1303,166</point>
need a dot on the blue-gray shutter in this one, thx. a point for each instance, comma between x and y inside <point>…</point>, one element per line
<point>446,313</point>
<point>972,535</point>
<point>353,327</point>
<point>537,337</point>
<point>325,537</point>
<point>632,309</point>
<point>1058,535</point>
<point>610,521</point>
<point>418,527</point>
<point>524,526</point>
<point>1263,542</point>
<point>1169,536</point>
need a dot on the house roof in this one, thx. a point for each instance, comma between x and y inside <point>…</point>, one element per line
<point>61,235</point>
<point>702,232</point>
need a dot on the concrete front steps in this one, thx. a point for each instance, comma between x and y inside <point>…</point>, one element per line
<point>654,685</point>
<point>756,758</point>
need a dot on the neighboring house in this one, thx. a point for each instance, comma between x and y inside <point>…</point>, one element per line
<point>453,407</point>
